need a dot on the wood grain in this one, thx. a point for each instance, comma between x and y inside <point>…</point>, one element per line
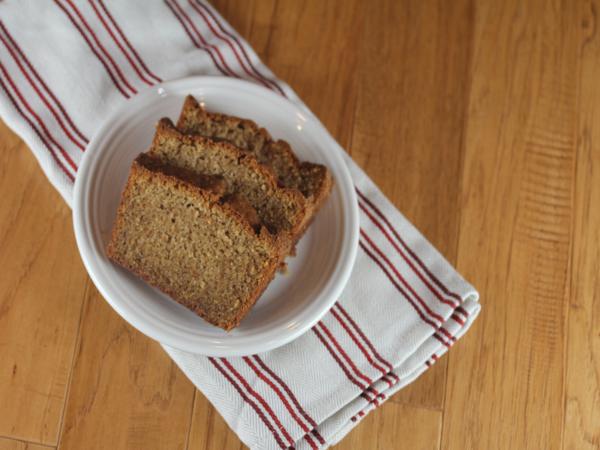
<point>125,391</point>
<point>479,119</point>
<point>12,444</point>
<point>415,112</point>
<point>506,380</point>
<point>326,37</point>
<point>41,285</point>
<point>582,414</point>
<point>396,427</point>
<point>209,430</point>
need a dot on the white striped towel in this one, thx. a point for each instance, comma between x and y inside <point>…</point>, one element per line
<point>65,65</point>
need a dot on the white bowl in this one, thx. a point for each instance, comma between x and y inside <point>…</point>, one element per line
<point>293,302</point>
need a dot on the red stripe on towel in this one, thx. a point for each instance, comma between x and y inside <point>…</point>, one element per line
<point>202,44</point>
<point>127,43</point>
<point>435,280</point>
<point>398,287</point>
<point>93,49</point>
<point>382,360</point>
<point>399,276</point>
<point>215,17</point>
<point>359,345</point>
<point>277,391</point>
<point>39,93</point>
<point>34,128</point>
<point>116,41</point>
<point>218,35</point>
<point>258,397</point>
<point>405,258</point>
<point>37,118</point>
<point>432,276</point>
<point>249,401</point>
<point>101,47</point>
<point>366,390</point>
<point>291,395</point>
<point>37,76</point>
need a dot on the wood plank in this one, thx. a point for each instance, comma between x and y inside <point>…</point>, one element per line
<point>330,37</point>
<point>252,19</point>
<point>314,46</point>
<point>41,292</point>
<point>427,390</point>
<point>125,391</point>
<point>209,430</point>
<point>582,415</point>
<point>13,444</point>
<point>413,75</point>
<point>415,428</point>
<point>394,427</point>
<point>506,378</point>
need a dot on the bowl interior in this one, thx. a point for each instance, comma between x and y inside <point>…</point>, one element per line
<point>293,301</point>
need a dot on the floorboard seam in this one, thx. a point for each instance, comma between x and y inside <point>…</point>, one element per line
<point>73,360</point>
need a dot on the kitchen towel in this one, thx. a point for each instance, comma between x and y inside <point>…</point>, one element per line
<point>65,65</point>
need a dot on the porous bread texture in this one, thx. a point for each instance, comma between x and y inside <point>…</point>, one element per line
<point>281,210</point>
<point>183,238</point>
<point>314,181</point>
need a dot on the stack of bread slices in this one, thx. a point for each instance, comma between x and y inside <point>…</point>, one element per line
<point>210,212</point>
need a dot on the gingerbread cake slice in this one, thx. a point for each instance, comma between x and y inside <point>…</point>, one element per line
<point>191,237</point>
<point>314,181</point>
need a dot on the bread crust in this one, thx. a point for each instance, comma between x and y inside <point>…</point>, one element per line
<point>191,108</point>
<point>285,238</point>
<point>315,173</point>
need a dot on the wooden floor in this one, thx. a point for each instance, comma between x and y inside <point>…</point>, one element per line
<point>479,119</point>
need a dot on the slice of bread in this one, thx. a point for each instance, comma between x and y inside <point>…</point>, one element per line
<point>313,180</point>
<point>184,235</point>
<point>281,210</point>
